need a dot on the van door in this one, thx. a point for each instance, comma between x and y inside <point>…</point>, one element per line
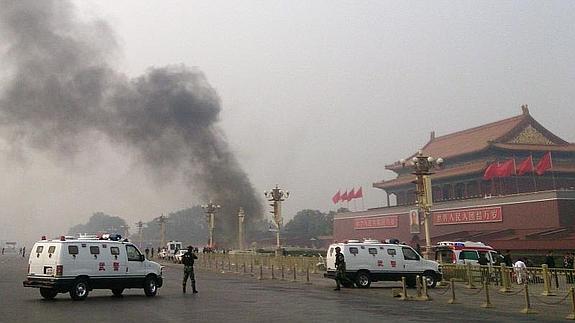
<point>135,266</point>
<point>411,260</point>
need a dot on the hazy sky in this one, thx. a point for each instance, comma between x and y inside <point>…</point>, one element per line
<point>316,95</point>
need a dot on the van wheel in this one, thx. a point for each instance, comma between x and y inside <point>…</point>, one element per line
<point>150,286</point>
<point>48,293</point>
<point>79,291</point>
<point>362,280</point>
<point>430,279</point>
<point>117,292</point>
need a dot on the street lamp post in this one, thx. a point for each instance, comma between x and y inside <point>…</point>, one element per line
<point>277,195</point>
<point>422,166</point>
<point>210,209</point>
<point>140,226</point>
<point>162,221</point>
<point>241,218</point>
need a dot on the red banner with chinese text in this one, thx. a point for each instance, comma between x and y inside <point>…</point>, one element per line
<point>478,215</point>
<point>390,221</point>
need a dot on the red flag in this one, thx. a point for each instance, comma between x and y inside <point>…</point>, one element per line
<point>336,198</point>
<point>544,164</point>
<point>506,169</point>
<point>526,166</point>
<point>490,171</point>
<point>351,195</point>
<point>359,193</point>
<point>344,197</point>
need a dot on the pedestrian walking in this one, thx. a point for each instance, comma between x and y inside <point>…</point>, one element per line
<point>23,252</point>
<point>520,271</point>
<point>188,261</point>
<point>550,262</point>
<point>2,250</point>
<point>147,251</point>
<point>340,276</point>
<point>152,250</point>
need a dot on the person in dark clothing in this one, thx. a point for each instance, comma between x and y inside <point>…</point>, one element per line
<point>340,276</point>
<point>507,259</point>
<point>484,262</point>
<point>550,262</point>
<point>188,261</point>
<point>147,251</point>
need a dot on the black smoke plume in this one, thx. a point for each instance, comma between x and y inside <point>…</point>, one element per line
<point>62,93</point>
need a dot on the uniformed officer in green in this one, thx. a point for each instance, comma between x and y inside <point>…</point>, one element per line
<point>340,275</point>
<point>188,261</point>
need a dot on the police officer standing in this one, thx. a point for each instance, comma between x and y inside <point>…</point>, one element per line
<point>188,261</point>
<point>340,276</point>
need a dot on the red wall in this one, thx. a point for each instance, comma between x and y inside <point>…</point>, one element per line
<point>536,215</point>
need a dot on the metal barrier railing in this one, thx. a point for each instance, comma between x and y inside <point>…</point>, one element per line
<point>550,279</point>
<point>299,264</point>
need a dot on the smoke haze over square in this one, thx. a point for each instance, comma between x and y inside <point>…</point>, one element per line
<point>314,96</point>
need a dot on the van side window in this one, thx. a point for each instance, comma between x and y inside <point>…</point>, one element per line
<point>372,251</point>
<point>133,253</point>
<point>39,249</point>
<point>95,250</point>
<point>353,250</point>
<point>391,252</point>
<point>409,254</point>
<point>51,249</point>
<point>115,251</point>
<point>468,254</point>
<point>73,250</point>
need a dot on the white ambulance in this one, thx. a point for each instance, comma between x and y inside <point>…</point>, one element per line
<point>463,252</point>
<point>79,265</point>
<point>371,261</point>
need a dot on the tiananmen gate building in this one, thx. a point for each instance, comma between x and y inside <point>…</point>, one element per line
<point>531,212</point>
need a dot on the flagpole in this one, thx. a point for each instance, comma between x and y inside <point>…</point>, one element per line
<point>552,172</point>
<point>516,177</point>
<point>533,174</point>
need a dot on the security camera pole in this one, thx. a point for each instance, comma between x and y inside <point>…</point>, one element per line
<point>422,166</point>
<point>277,195</point>
<point>211,209</point>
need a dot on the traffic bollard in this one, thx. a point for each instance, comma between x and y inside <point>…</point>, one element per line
<point>307,281</point>
<point>487,303</point>
<point>452,284</point>
<point>294,273</point>
<point>571,315</point>
<point>505,279</point>
<point>546,281</point>
<point>273,273</point>
<point>425,295</point>
<point>261,272</point>
<point>283,272</point>
<point>404,296</point>
<point>527,309</point>
<point>470,284</point>
<point>418,286</point>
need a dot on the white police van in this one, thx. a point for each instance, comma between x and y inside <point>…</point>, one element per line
<point>79,265</point>
<point>371,261</point>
